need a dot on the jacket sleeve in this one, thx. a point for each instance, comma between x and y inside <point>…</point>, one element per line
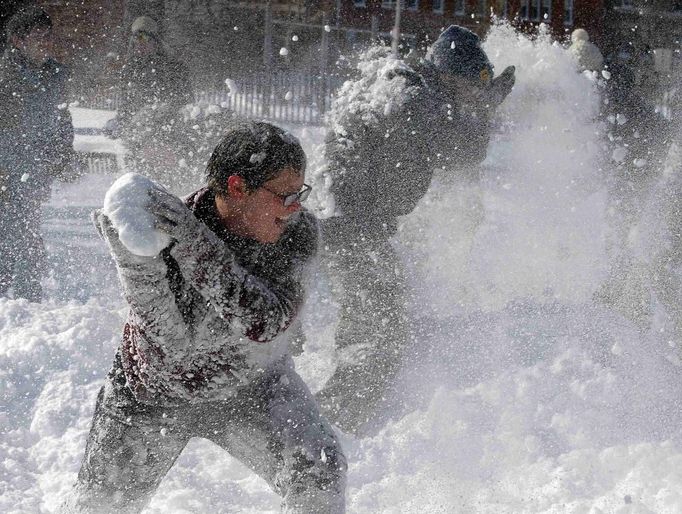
<point>261,308</point>
<point>147,291</point>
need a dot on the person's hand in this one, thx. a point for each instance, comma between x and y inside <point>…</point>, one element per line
<point>172,215</point>
<point>123,257</point>
<point>112,128</point>
<point>502,86</point>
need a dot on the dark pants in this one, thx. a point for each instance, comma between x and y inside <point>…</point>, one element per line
<point>368,283</point>
<point>272,425</point>
<point>22,251</point>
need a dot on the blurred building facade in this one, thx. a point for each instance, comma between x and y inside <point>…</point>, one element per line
<point>221,39</point>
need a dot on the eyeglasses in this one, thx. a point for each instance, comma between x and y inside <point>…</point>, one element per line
<point>292,198</point>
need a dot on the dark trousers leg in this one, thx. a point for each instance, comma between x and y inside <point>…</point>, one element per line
<point>130,449</point>
<point>31,263</point>
<point>372,332</point>
<point>276,429</point>
<point>22,251</point>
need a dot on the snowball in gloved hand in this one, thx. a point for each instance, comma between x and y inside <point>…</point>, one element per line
<point>126,204</point>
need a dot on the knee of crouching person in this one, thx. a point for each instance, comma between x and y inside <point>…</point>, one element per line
<point>325,472</point>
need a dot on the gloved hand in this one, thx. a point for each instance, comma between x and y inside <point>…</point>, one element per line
<point>501,86</point>
<point>112,128</point>
<point>124,258</point>
<point>172,216</point>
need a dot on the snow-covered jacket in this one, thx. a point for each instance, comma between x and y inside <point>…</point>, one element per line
<point>36,133</point>
<point>388,131</point>
<point>210,313</point>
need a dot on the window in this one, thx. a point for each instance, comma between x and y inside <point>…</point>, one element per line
<point>460,7</point>
<point>438,6</point>
<point>411,5</point>
<point>359,3</point>
<point>535,10</point>
<point>523,10</point>
<point>568,12</point>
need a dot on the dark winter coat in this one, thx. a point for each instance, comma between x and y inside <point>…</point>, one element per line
<point>152,80</point>
<point>36,133</point>
<point>210,315</point>
<point>382,154</point>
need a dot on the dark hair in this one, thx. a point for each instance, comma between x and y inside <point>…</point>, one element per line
<point>255,151</point>
<point>24,21</point>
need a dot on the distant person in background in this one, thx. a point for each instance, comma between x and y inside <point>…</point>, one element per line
<point>389,130</point>
<point>586,53</point>
<point>638,140</point>
<point>154,87</point>
<point>36,147</point>
<point>150,76</point>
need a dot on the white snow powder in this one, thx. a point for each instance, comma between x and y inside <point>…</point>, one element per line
<point>257,158</point>
<point>126,205</point>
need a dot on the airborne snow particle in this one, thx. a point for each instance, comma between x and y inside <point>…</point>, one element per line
<point>294,37</point>
<point>606,74</point>
<point>619,154</point>
<point>288,96</point>
<point>257,158</point>
<point>24,177</point>
<point>452,45</point>
<point>327,28</point>
<point>283,51</point>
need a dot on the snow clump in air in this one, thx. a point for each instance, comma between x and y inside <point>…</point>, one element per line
<point>126,204</point>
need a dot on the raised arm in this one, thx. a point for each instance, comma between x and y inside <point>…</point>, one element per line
<point>147,291</point>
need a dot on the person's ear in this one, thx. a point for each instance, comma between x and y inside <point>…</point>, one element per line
<point>16,41</point>
<point>236,187</point>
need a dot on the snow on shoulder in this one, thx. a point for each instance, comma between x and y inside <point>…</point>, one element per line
<point>377,91</point>
<point>126,204</point>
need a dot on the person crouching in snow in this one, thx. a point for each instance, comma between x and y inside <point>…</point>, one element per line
<point>390,129</point>
<point>203,351</point>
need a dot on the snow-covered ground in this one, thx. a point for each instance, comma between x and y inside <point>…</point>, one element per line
<point>520,393</point>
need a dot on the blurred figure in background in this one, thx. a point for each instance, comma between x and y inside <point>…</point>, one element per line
<point>586,53</point>
<point>389,130</point>
<point>154,87</point>
<point>36,147</point>
<point>638,140</point>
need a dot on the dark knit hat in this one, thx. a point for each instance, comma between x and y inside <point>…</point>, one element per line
<point>458,51</point>
<point>23,22</point>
